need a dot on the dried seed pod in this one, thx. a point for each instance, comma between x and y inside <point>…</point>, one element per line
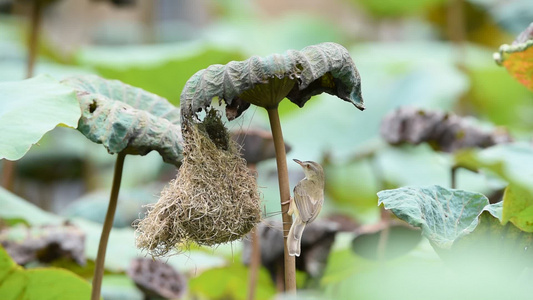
<point>157,279</point>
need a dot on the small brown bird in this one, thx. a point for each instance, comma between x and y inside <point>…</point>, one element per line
<point>306,204</point>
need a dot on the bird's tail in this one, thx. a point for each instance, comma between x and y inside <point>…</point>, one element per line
<point>294,238</point>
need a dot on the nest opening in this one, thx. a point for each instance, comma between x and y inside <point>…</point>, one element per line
<point>213,200</point>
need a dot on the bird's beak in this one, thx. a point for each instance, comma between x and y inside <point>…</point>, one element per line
<point>298,162</point>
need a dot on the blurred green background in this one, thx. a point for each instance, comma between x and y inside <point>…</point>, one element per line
<point>432,54</point>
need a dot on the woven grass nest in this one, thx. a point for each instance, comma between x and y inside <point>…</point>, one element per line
<point>213,200</point>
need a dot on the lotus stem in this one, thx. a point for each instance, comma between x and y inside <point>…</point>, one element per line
<point>108,224</point>
<point>285,194</point>
<point>383,237</point>
<point>33,44</point>
<point>255,257</point>
<point>453,179</point>
<point>280,284</point>
<point>255,264</point>
<point>8,175</point>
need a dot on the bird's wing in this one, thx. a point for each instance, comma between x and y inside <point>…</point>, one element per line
<point>308,207</point>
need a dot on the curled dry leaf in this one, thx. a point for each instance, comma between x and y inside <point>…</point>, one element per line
<point>126,118</point>
<point>518,57</point>
<point>44,243</point>
<point>443,131</point>
<point>265,81</point>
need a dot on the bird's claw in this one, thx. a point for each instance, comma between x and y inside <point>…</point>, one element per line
<point>291,203</point>
<point>291,207</point>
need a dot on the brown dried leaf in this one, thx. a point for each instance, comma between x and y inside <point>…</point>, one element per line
<point>443,131</point>
<point>44,243</point>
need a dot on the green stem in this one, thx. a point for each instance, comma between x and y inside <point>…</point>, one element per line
<point>108,224</point>
<point>285,194</point>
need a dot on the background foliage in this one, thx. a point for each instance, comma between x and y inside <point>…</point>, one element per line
<point>431,54</point>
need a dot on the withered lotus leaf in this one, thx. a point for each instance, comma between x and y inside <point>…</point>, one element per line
<point>265,81</point>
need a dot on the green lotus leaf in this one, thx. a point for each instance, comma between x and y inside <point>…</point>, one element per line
<point>127,119</point>
<point>131,202</point>
<point>218,283</point>
<point>512,162</point>
<point>518,207</point>
<point>506,248</point>
<point>42,283</point>
<point>158,68</point>
<point>443,214</point>
<point>265,81</point>
<point>518,57</point>
<point>400,241</point>
<point>397,8</point>
<point>30,108</point>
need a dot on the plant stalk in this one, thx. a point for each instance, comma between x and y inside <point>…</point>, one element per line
<point>108,224</point>
<point>279,276</point>
<point>8,175</point>
<point>456,30</point>
<point>33,43</point>
<point>383,236</point>
<point>285,194</point>
<point>255,263</point>
<point>255,257</point>
<point>455,19</point>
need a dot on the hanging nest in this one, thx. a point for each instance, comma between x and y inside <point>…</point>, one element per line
<point>213,200</point>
